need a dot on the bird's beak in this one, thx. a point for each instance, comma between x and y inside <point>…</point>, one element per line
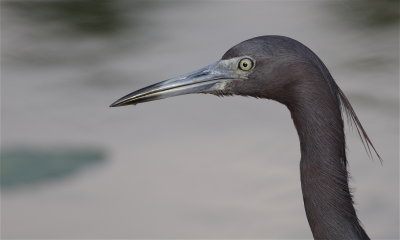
<point>209,79</point>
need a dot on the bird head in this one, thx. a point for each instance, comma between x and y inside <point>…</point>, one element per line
<point>262,67</point>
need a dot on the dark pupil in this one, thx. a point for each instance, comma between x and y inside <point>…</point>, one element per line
<point>244,64</point>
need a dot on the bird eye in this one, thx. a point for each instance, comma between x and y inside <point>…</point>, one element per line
<point>246,64</point>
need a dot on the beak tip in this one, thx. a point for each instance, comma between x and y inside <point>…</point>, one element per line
<point>122,102</point>
<point>117,104</point>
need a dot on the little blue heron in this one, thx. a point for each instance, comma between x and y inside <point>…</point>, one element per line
<point>285,70</point>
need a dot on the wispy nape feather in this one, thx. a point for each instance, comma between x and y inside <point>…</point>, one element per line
<point>351,115</point>
<point>346,107</point>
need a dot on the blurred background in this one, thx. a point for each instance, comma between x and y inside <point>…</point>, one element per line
<point>193,166</point>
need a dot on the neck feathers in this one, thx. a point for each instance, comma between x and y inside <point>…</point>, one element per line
<point>324,178</point>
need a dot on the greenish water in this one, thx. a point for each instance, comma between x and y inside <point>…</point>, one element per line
<point>25,166</point>
<point>82,18</point>
<point>369,13</point>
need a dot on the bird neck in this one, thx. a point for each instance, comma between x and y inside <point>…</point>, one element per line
<point>324,177</point>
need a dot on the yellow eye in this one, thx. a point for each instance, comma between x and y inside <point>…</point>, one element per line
<point>246,64</point>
